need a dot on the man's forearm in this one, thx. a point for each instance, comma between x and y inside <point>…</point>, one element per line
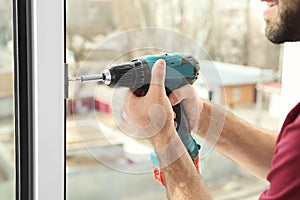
<point>249,146</point>
<point>182,179</point>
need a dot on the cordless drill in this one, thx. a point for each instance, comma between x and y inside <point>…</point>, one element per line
<point>136,74</point>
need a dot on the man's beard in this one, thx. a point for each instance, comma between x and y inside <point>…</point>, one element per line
<point>285,30</point>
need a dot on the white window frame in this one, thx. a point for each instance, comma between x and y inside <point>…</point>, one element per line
<point>48,69</point>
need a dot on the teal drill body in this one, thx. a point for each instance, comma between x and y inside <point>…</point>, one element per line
<point>180,70</point>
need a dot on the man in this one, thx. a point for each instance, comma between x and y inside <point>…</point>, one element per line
<point>265,154</point>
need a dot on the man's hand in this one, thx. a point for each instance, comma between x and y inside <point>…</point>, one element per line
<point>152,114</point>
<point>191,102</point>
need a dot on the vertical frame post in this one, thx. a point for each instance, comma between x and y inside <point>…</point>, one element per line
<point>48,64</point>
<point>23,97</point>
<point>39,99</point>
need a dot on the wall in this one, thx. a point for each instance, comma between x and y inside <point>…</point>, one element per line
<point>290,77</point>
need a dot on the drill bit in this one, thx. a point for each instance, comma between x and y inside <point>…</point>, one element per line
<point>88,78</point>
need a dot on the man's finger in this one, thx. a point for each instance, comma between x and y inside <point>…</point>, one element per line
<point>173,99</point>
<point>180,94</point>
<point>158,74</point>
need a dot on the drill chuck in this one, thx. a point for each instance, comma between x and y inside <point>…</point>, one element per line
<point>133,74</point>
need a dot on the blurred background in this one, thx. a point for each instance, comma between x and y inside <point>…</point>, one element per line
<point>101,160</point>
<point>7,164</point>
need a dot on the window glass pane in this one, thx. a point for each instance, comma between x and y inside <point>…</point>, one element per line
<point>103,162</point>
<point>7,166</point>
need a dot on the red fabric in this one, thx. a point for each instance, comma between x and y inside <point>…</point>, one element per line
<point>284,176</point>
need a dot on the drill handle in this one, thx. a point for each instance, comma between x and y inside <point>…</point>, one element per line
<point>184,132</point>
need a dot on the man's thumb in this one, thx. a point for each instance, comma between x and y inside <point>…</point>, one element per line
<point>158,74</point>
